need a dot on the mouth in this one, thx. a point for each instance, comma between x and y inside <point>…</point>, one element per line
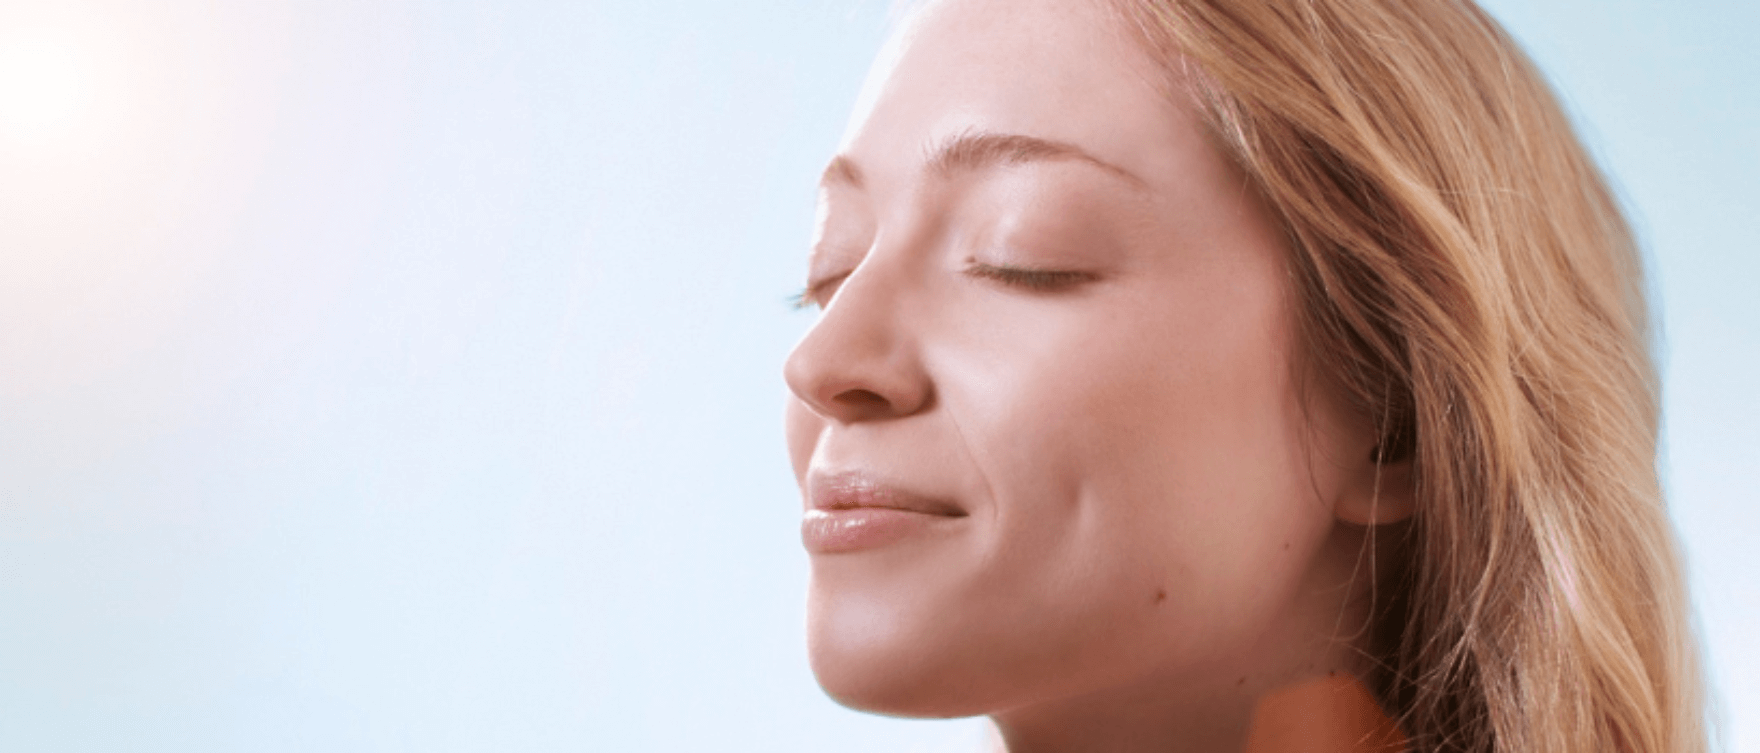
<point>853,512</point>
<point>855,491</point>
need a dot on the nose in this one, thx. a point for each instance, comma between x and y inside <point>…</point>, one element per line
<point>861,361</point>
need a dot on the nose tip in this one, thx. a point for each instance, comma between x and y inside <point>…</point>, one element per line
<point>858,363</point>
<point>847,390</point>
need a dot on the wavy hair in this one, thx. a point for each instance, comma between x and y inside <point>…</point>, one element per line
<point>1466,277</point>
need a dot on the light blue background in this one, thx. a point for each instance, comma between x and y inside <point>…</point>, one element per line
<point>405,376</point>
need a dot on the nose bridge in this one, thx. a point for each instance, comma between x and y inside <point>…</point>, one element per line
<point>861,360</point>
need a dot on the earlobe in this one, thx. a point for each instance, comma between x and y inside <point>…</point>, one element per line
<point>1381,493</point>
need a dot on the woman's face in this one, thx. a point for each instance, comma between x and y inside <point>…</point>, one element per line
<point>1046,425</point>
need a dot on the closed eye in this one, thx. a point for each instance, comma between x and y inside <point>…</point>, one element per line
<point>817,292</point>
<point>1030,278</point>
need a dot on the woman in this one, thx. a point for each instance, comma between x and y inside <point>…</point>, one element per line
<point>1180,357</point>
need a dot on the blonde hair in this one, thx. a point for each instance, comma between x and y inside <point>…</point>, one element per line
<point>1466,278</point>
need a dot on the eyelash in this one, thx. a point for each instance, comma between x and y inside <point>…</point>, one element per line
<point>1035,280</point>
<point>816,294</point>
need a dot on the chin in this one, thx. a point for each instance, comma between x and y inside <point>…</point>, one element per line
<point>877,686</point>
<point>868,661</point>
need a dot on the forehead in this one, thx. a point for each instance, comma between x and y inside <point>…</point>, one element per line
<point>1062,70</point>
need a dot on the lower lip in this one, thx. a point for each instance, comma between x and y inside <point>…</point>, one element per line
<point>855,529</point>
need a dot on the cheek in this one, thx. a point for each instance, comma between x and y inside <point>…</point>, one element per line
<point>1156,478</point>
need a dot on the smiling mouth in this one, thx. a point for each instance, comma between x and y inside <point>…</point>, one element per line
<point>855,491</point>
<point>853,512</point>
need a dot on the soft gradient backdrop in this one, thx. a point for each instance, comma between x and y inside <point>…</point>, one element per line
<point>396,376</point>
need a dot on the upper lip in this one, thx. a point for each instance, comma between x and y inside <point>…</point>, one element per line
<point>852,490</point>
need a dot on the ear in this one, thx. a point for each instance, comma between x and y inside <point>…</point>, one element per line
<point>1378,493</point>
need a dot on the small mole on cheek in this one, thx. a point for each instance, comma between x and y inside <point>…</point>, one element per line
<point>1286,546</point>
<point>1160,595</point>
<point>1243,681</point>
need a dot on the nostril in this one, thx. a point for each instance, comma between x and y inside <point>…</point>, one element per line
<point>865,402</point>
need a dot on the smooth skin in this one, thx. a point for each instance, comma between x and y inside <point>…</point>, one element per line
<point>1050,301</point>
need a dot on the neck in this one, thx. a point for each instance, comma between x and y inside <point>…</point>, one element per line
<point>1255,718</point>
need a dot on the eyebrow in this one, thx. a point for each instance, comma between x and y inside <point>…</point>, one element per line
<point>979,150</point>
<point>972,151</point>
